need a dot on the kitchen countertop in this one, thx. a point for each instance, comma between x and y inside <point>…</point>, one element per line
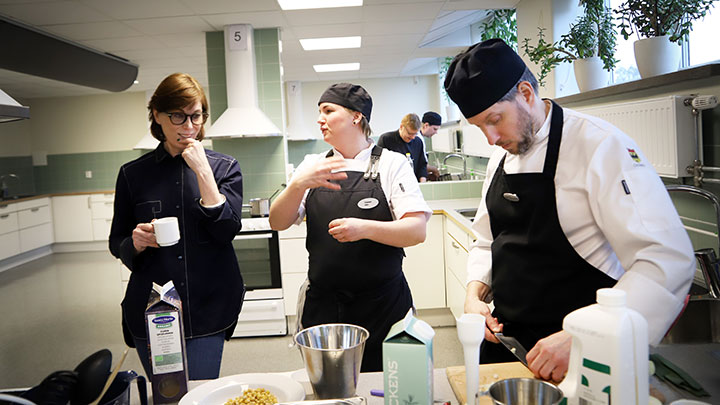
<point>701,361</point>
<point>36,196</point>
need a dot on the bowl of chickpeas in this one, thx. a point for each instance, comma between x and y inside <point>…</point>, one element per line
<point>245,389</point>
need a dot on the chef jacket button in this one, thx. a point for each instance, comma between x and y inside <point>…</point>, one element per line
<point>179,257</point>
<point>177,182</point>
<point>177,206</point>
<point>182,284</point>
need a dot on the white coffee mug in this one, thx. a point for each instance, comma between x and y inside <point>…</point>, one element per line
<point>167,231</point>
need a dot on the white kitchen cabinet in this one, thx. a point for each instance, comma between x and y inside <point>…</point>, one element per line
<point>72,218</point>
<point>9,244</point>
<point>101,208</point>
<point>35,224</point>
<point>442,140</point>
<point>424,267</point>
<point>9,234</point>
<point>457,245</point>
<point>475,142</point>
<point>293,264</point>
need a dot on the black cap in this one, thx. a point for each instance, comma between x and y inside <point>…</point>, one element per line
<point>482,75</point>
<point>432,118</point>
<point>348,95</point>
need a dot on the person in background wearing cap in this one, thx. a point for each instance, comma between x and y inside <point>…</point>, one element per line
<point>405,141</point>
<point>362,205</point>
<point>571,205</point>
<point>431,122</point>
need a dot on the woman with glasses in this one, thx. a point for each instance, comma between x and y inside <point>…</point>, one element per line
<point>203,189</point>
<point>363,205</point>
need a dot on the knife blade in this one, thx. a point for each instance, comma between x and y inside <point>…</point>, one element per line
<point>514,346</point>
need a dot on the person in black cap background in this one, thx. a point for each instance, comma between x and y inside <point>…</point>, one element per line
<point>431,122</point>
<point>405,141</point>
<point>570,205</point>
<point>362,205</point>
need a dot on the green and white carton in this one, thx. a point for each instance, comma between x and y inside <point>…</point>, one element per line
<point>408,362</point>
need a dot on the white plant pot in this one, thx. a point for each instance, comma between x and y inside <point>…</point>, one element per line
<point>589,73</point>
<point>453,112</point>
<point>656,56</point>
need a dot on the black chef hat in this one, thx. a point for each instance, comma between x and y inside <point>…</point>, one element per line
<point>432,118</point>
<point>348,95</point>
<point>482,75</point>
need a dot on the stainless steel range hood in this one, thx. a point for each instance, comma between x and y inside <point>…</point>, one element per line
<point>242,118</point>
<point>11,110</point>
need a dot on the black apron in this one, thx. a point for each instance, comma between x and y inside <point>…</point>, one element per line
<point>537,276</point>
<point>359,282</point>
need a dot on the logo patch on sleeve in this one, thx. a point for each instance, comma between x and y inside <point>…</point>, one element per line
<point>633,155</point>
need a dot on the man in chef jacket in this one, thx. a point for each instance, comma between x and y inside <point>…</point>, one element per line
<point>570,205</point>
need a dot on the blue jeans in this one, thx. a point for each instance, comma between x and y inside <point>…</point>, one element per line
<point>204,355</point>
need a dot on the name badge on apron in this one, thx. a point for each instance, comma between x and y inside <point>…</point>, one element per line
<point>368,203</point>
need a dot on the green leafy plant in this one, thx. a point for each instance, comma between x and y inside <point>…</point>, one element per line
<point>442,72</point>
<point>592,34</point>
<point>501,24</point>
<point>654,18</point>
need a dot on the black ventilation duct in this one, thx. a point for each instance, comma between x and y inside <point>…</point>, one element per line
<point>31,51</point>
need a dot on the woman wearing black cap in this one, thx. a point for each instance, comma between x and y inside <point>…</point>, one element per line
<point>363,205</point>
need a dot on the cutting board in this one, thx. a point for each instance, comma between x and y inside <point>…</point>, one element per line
<point>489,373</point>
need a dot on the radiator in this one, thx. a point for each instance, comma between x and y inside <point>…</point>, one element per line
<point>662,127</point>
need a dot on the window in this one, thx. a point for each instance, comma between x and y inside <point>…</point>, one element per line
<point>704,37</point>
<point>701,45</point>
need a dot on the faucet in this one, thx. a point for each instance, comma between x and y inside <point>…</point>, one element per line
<point>4,189</point>
<point>709,263</point>
<point>456,155</point>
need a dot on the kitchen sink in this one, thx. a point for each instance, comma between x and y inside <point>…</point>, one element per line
<point>468,213</point>
<point>699,323</point>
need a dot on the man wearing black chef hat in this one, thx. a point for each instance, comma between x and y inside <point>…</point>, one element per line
<point>570,205</point>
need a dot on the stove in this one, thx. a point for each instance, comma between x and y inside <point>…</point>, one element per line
<point>258,254</point>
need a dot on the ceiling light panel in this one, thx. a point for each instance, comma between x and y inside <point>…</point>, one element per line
<point>307,4</point>
<point>314,44</point>
<point>337,67</point>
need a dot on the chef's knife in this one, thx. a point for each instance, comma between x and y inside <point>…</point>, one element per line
<point>514,346</point>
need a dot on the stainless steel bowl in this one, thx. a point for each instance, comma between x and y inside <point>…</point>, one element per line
<point>524,391</point>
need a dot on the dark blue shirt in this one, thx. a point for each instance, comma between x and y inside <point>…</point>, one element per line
<point>393,141</point>
<point>202,266</point>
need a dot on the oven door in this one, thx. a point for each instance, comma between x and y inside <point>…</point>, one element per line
<point>258,256</point>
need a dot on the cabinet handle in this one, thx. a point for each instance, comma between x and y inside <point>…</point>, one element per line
<point>36,209</point>
<point>89,204</point>
<point>4,216</point>
<point>455,245</point>
<point>108,202</point>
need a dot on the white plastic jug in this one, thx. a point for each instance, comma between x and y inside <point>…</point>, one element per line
<point>609,355</point>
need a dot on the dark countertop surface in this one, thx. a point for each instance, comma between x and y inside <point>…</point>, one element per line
<point>700,361</point>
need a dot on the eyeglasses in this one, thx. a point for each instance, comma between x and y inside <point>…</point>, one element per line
<point>179,118</point>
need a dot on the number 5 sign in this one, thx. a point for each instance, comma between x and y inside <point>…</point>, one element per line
<point>237,36</point>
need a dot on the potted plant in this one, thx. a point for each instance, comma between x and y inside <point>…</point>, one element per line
<point>660,25</point>
<point>589,45</point>
<point>502,24</point>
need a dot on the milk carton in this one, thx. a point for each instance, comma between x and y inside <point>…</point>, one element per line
<point>408,363</point>
<point>166,344</point>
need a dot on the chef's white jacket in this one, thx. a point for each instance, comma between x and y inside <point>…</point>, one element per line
<point>634,236</point>
<point>397,180</point>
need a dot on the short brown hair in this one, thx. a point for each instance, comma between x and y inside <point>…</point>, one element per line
<point>412,122</point>
<point>175,92</point>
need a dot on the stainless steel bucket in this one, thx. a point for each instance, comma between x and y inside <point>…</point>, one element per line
<point>523,391</point>
<point>333,354</point>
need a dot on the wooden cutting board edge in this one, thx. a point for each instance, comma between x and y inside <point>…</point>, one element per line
<point>489,373</point>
